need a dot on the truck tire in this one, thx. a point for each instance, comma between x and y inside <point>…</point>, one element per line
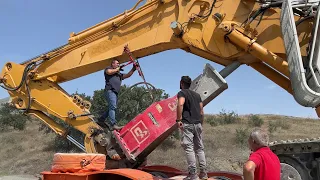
<point>292,169</point>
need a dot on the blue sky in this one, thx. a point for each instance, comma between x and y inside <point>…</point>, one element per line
<point>29,28</point>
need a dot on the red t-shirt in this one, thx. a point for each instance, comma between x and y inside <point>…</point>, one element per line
<point>267,164</point>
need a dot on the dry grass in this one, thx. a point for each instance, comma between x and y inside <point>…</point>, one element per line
<point>223,153</point>
<point>26,152</point>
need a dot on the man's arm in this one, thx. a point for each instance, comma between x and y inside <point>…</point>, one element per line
<point>181,101</point>
<point>129,73</point>
<point>111,71</point>
<point>248,170</point>
<point>201,112</point>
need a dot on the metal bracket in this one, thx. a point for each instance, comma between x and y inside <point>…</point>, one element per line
<point>209,84</point>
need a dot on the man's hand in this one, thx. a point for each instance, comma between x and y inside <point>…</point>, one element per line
<point>133,67</point>
<point>180,125</point>
<point>129,74</point>
<point>201,113</point>
<point>112,71</point>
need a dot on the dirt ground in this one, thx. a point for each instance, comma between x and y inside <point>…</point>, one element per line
<point>19,177</point>
<point>27,152</point>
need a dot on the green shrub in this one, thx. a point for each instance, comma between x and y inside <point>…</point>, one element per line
<point>212,120</point>
<point>274,125</point>
<point>228,117</point>
<point>284,124</point>
<point>223,118</point>
<point>242,135</point>
<point>62,144</point>
<point>176,134</point>
<point>255,121</point>
<point>12,117</point>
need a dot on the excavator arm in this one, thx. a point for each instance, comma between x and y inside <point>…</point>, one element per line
<point>222,31</point>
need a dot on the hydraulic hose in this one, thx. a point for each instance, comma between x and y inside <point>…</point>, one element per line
<point>152,95</point>
<point>261,11</point>
<point>129,89</point>
<point>304,19</point>
<point>23,79</point>
<point>29,100</point>
<point>210,11</point>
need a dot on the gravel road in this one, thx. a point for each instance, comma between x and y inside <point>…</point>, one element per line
<point>19,177</point>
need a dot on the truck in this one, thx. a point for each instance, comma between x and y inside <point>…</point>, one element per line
<point>277,38</point>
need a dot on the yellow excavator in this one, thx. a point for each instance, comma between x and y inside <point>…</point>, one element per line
<point>278,38</point>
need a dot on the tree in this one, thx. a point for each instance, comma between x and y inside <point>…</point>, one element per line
<point>10,117</point>
<point>131,102</point>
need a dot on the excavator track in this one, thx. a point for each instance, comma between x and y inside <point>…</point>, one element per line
<point>299,158</point>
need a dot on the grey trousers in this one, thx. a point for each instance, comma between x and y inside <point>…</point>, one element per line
<point>191,141</point>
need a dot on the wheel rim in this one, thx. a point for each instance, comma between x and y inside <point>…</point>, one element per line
<point>289,173</point>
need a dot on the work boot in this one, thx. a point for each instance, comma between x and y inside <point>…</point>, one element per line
<point>116,127</point>
<point>203,175</point>
<point>105,125</point>
<point>191,177</point>
<point>113,154</point>
<point>102,124</point>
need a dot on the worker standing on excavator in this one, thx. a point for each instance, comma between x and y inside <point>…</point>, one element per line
<point>263,164</point>
<point>113,79</point>
<point>190,120</point>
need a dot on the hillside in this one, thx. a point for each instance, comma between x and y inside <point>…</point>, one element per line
<point>4,100</point>
<point>30,151</point>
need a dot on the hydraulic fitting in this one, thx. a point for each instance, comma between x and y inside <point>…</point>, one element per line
<point>176,27</point>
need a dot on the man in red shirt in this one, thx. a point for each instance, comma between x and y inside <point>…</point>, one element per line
<point>263,164</point>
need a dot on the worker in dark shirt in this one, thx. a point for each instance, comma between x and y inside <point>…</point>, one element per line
<point>190,120</point>
<point>262,164</point>
<point>113,79</point>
